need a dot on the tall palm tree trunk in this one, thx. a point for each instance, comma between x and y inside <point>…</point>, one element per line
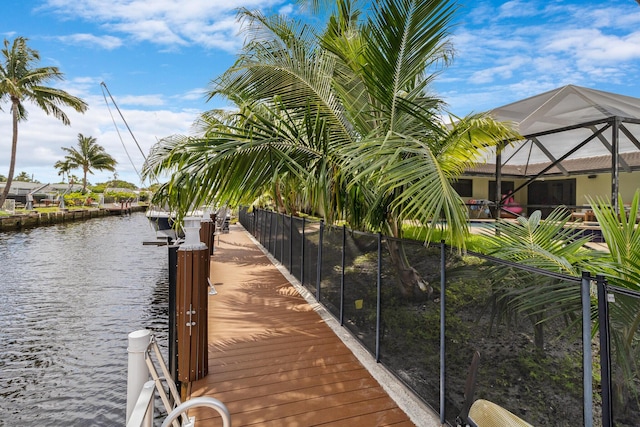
<point>14,149</point>
<point>84,180</point>
<point>410,283</point>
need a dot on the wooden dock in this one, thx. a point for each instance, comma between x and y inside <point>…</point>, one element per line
<point>123,208</point>
<point>274,361</point>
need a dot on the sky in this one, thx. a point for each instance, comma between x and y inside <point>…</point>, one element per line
<point>157,59</point>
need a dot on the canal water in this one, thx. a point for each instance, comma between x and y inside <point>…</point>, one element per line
<point>69,296</point>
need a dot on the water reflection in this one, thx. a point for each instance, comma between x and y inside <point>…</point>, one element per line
<point>69,296</point>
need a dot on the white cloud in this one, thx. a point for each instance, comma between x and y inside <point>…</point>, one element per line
<point>624,15</point>
<point>174,23</point>
<point>195,94</point>
<point>286,10</point>
<point>517,9</point>
<point>152,30</point>
<point>519,48</point>
<point>593,46</point>
<point>104,42</point>
<point>151,100</point>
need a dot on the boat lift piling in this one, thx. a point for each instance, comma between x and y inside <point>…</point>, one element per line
<point>189,289</point>
<point>192,303</point>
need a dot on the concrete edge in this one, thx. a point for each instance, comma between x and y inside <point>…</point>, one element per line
<point>417,411</point>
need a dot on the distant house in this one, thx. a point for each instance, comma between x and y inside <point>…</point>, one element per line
<point>20,190</point>
<point>578,143</point>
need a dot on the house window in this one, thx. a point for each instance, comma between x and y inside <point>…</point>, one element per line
<point>464,187</point>
<point>505,186</point>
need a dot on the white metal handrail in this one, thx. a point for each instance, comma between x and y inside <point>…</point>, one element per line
<point>153,345</point>
<point>208,402</point>
<point>142,411</point>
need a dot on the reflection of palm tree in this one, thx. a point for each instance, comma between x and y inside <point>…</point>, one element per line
<point>88,156</point>
<point>20,82</point>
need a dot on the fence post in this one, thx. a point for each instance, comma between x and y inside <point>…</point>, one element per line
<point>266,241</point>
<point>378,297</point>
<point>137,370</point>
<point>254,223</point>
<point>273,234</point>
<point>318,276</point>
<point>587,379</point>
<point>263,227</point>
<point>605,352</point>
<point>282,240</point>
<point>302,251</point>
<point>273,249</point>
<point>442,331</point>
<point>344,250</point>
<point>291,243</point>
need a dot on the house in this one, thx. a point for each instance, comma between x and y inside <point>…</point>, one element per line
<point>20,190</point>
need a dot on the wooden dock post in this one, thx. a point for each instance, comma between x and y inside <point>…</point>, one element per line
<point>207,227</point>
<point>192,304</point>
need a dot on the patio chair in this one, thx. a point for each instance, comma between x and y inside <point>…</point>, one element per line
<point>480,208</point>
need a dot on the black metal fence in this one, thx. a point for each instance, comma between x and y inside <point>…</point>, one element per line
<point>545,365</point>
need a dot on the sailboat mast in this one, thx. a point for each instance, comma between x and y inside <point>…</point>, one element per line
<point>105,88</point>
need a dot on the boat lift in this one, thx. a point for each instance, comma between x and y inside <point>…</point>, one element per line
<point>29,205</point>
<point>61,196</point>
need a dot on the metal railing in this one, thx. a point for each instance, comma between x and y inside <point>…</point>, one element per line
<point>538,365</point>
<point>143,410</point>
<point>141,392</point>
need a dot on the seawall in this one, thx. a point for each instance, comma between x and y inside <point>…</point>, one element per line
<point>37,219</point>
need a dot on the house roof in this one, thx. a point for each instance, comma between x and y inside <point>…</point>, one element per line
<point>573,124</point>
<point>23,187</point>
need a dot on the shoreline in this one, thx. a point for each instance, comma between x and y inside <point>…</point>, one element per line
<point>38,219</point>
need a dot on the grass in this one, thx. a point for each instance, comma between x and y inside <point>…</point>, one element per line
<point>474,242</point>
<point>23,211</point>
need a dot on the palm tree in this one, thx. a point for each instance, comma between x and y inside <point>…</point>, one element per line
<point>21,81</point>
<point>89,156</point>
<point>553,245</point>
<point>343,116</point>
<point>622,268</point>
<point>64,168</point>
<point>24,177</point>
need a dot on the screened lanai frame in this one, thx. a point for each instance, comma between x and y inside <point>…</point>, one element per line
<point>568,132</point>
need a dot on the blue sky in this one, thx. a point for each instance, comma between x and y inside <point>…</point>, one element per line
<point>157,58</point>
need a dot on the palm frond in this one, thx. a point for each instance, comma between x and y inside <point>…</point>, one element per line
<point>402,39</point>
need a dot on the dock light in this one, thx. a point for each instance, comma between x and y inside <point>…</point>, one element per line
<point>192,232</point>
